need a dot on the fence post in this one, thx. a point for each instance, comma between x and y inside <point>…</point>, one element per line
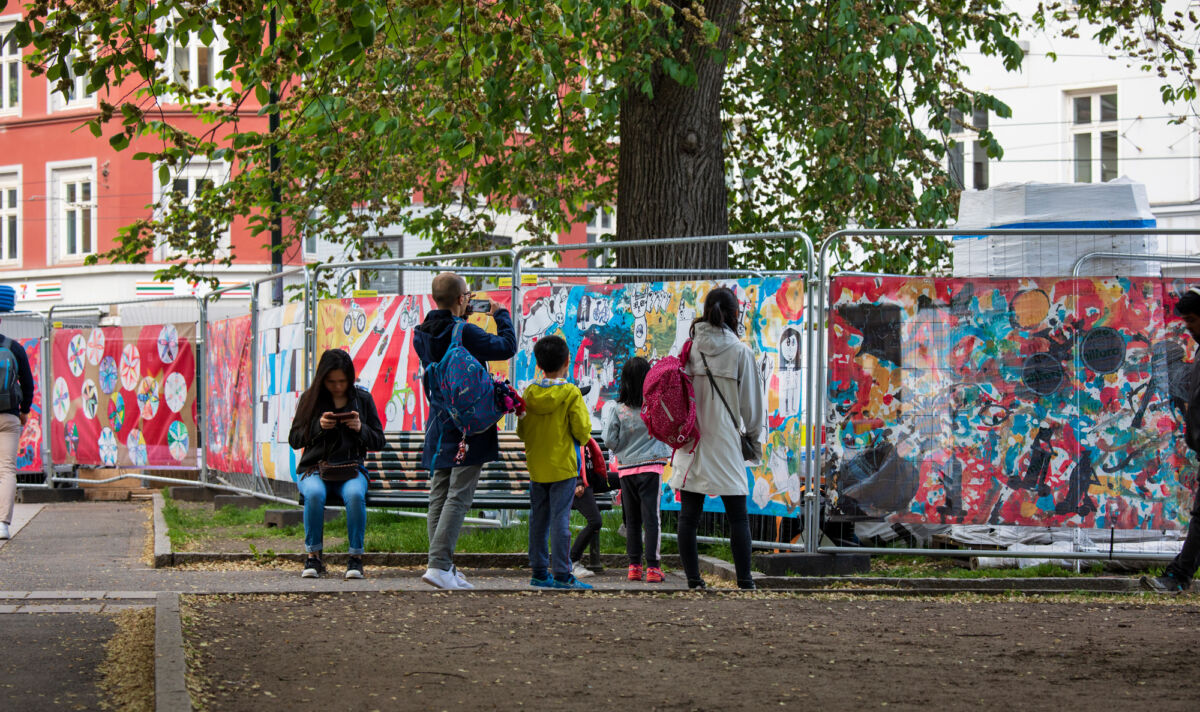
<point>255,456</point>
<point>201,345</point>
<point>47,399</point>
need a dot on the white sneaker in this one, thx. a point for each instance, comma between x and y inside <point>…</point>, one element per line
<point>463,584</point>
<point>437,578</point>
<point>3,531</point>
<point>580,571</point>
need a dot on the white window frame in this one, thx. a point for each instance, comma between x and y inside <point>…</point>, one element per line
<point>7,23</point>
<point>196,170</point>
<point>10,179</point>
<point>55,101</point>
<point>216,50</point>
<point>604,222</point>
<point>1094,130</point>
<point>961,138</point>
<point>58,175</point>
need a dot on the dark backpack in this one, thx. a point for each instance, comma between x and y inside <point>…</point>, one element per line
<point>10,384</point>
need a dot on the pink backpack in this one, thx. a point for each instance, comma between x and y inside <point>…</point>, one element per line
<point>668,401</point>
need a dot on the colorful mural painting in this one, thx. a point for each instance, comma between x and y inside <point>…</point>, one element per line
<point>29,447</point>
<point>1042,402</point>
<point>139,413</point>
<point>377,333</point>
<point>605,325</point>
<point>280,380</point>
<point>229,411</point>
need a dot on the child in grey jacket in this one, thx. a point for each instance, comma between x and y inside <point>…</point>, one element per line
<point>640,460</point>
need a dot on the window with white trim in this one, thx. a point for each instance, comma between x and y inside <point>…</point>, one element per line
<point>77,95</point>
<point>185,185</point>
<point>10,217</point>
<point>10,70</point>
<point>195,59</point>
<point>956,156</point>
<point>1094,136</point>
<point>602,225</point>
<point>74,204</point>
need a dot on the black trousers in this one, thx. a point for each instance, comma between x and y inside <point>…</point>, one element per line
<point>1184,566</point>
<point>586,505</point>
<point>641,495</point>
<point>690,506</point>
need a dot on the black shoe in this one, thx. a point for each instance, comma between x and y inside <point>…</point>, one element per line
<point>1163,584</point>
<point>354,568</point>
<point>697,585</point>
<point>747,586</point>
<point>313,568</point>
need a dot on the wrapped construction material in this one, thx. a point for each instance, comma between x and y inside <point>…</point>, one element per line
<point>1121,203</point>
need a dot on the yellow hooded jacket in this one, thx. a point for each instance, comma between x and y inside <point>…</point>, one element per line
<point>556,423</point>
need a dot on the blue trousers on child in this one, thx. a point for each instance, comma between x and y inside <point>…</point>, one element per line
<point>550,518</point>
<point>354,494</point>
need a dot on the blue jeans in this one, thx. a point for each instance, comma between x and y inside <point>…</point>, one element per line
<point>550,517</point>
<point>354,494</point>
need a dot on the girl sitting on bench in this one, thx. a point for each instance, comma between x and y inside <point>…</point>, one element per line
<point>336,424</point>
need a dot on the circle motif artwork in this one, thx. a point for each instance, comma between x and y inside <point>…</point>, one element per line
<point>89,399</point>
<point>168,343</point>
<point>108,374</point>
<point>131,367</point>
<point>177,440</point>
<point>76,354</point>
<point>95,346</point>
<point>61,399</point>
<point>72,438</point>
<point>136,443</point>
<point>175,392</point>
<point>108,447</point>
<point>116,412</point>
<point>147,397</point>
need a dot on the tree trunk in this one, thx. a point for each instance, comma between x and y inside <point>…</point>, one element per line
<point>671,170</point>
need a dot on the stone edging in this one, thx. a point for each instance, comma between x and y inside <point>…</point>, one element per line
<point>162,543</point>
<point>170,661</point>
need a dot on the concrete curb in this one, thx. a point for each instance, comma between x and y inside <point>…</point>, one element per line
<point>170,662</point>
<point>414,559</point>
<point>162,543</point>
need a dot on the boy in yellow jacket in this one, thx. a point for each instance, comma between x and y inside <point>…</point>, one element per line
<point>555,424</point>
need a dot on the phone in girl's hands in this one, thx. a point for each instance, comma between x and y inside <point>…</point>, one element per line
<point>348,415</point>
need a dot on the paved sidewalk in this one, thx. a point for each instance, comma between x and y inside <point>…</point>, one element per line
<point>95,550</point>
<point>22,513</point>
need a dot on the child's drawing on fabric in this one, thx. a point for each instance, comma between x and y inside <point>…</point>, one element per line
<point>605,325</point>
<point>230,412</point>
<point>377,333</point>
<point>1046,402</point>
<point>29,447</point>
<point>279,381</point>
<point>107,415</point>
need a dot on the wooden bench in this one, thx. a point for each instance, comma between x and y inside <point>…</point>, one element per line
<point>398,480</point>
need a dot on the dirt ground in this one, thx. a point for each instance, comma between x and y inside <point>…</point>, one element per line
<point>440,651</point>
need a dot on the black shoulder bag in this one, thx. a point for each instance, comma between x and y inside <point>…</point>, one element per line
<point>750,448</point>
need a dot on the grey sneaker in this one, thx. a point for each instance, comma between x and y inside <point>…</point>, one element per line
<point>463,584</point>
<point>4,531</point>
<point>1163,584</point>
<point>438,578</point>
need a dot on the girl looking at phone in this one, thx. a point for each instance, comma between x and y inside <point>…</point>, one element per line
<point>335,425</point>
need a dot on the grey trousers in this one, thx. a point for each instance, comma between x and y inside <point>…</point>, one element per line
<point>451,491</point>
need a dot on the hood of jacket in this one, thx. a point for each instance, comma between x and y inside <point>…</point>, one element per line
<point>720,346</point>
<point>546,396</point>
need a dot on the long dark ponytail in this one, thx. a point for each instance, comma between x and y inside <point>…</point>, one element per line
<point>720,310</point>
<point>315,394</point>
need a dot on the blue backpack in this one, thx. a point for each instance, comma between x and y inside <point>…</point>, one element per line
<point>10,386</point>
<point>468,391</point>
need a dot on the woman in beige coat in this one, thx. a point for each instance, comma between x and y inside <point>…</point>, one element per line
<point>715,465</point>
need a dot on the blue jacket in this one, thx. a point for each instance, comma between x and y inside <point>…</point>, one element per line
<point>431,339</point>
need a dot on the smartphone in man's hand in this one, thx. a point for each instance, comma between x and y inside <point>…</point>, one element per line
<point>481,305</point>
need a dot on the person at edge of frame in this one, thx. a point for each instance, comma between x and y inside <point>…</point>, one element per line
<point>1178,575</point>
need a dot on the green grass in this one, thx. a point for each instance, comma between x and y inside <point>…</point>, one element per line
<point>386,531</point>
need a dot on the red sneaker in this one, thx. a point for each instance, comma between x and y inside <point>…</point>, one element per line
<point>635,572</point>
<point>654,575</point>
